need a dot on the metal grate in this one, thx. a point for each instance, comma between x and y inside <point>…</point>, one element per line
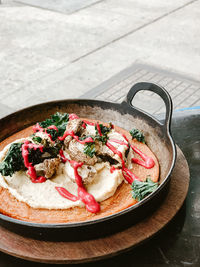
<point>184,92</point>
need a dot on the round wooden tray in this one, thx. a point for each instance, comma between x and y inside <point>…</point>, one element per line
<point>85,251</point>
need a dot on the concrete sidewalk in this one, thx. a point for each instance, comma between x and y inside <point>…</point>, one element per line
<point>55,54</point>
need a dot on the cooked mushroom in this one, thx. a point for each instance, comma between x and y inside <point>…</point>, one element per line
<point>76,127</point>
<point>48,167</point>
<point>86,172</point>
<point>105,154</point>
<point>76,152</point>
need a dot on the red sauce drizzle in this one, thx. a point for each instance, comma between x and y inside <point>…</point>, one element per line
<point>147,162</point>
<point>84,125</point>
<point>89,123</point>
<point>129,176</point>
<point>53,127</point>
<point>125,137</point>
<point>65,193</point>
<point>71,133</point>
<point>115,151</point>
<point>31,169</point>
<point>99,129</point>
<point>38,128</point>
<point>90,203</point>
<point>73,116</point>
<point>119,142</point>
<point>64,159</point>
<point>112,169</point>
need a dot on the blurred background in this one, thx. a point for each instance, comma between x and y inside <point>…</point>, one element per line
<point>52,49</point>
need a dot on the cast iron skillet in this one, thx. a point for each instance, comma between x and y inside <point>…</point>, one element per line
<point>124,115</point>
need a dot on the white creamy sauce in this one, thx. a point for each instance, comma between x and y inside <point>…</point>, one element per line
<point>44,195</point>
<point>90,129</point>
<point>115,135</point>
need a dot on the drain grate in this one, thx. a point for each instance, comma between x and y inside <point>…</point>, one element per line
<point>184,92</point>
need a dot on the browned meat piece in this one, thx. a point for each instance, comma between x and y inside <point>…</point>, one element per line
<point>105,154</point>
<point>89,175</point>
<point>67,140</point>
<point>86,172</point>
<point>47,168</point>
<point>76,152</point>
<point>76,127</point>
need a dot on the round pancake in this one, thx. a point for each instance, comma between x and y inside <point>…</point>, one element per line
<point>121,200</point>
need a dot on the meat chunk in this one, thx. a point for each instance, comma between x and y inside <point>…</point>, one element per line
<point>105,154</point>
<point>76,152</point>
<point>76,127</point>
<point>48,167</point>
<point>86,172</point>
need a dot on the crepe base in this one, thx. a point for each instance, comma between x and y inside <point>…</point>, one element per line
<point>121,200</point>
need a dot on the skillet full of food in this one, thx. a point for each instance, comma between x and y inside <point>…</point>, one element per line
<point>75,166</point>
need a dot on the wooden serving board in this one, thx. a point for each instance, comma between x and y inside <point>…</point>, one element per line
<point>85,251</point>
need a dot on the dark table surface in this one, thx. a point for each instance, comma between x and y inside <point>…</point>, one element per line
<point>179,243</point>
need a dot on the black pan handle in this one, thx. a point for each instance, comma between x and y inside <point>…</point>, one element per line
<point>158,90</point>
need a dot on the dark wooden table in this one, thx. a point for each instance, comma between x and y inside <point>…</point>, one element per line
<point>179,243</point>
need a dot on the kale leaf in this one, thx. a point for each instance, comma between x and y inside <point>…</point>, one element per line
<point>60,120</point>
<point>13,160</point>
<point>137,134</point>
<point>37,139</point>
<point>142,189</point>
<point>89,149</point>
<point>54,134</point>
<point>53,150</point>
<point>35,156</point>
<point>104,130</point>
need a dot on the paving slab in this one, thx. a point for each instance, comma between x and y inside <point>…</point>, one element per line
<point>49,55</point>
<point>52,40</point>
<point>171,43</point>
<point>5,110</point>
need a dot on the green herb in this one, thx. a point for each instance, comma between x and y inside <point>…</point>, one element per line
<point>137,134</point>
<point>104,130</point>
<point>37,139</point>
<point>142,189</point>
<point>86,136</point>
<point>89,149</point>
<point>60,120</point>
<point>54,134</point>
<point>35,156</point>
<point>53,150</point>
<point>102,138</point>
<point>13,160</point>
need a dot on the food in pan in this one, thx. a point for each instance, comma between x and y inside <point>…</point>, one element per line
<point>70,169</point>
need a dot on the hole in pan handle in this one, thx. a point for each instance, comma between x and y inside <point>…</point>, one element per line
<point>158,90</point>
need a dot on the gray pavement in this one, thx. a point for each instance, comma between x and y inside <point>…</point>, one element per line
<point>62,49</point>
